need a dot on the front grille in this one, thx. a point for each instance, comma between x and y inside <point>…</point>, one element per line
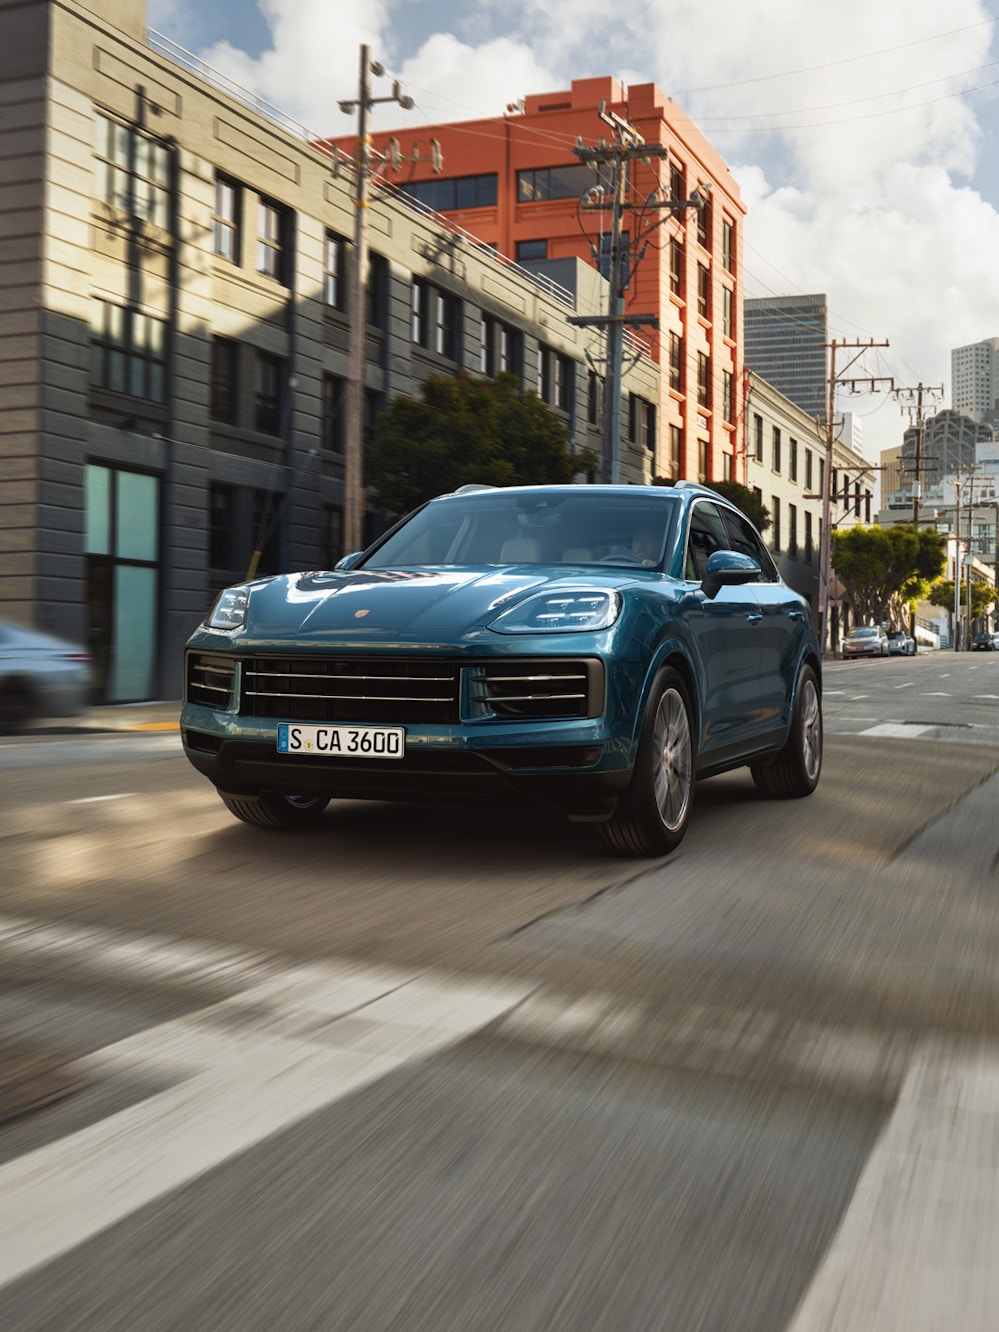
<point>351,689</point>
<point>209,679</point>
<point>535,690</point>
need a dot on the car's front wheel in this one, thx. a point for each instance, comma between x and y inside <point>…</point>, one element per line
<point>651,817</point>
<point>795,771</point>
<point>270,810</point>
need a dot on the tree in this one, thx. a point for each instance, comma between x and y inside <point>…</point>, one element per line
<point>463,431</point>
<point>745,500</point>
<point>982,596</point>
<point>882,568</point>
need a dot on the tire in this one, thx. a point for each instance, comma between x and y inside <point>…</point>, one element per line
<point>652,815</point>
<point>796,769</point>
<point>270,810</point>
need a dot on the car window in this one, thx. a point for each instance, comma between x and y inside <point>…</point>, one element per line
<point>706,534</point>
<point>743,537</point>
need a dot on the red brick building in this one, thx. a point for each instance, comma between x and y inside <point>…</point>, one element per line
<point>515,183</point>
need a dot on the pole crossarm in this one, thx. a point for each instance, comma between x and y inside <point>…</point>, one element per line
<point>601,321</point>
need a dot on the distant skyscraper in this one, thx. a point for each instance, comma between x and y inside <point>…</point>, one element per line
<point>949,445</point>
<point>974,376</point>
<point>784,340</point>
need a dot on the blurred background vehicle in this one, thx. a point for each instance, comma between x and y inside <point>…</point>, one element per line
<point>40,676</point>
<point>867,640</point>
<point>901,644</point>
<point>985,643</point>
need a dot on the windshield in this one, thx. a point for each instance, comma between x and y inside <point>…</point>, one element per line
<point>864,633</point>
<point>577,526</point>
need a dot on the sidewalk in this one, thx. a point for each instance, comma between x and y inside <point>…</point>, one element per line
<point>156,715</point>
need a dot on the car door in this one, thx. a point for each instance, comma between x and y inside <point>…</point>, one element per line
<point>725,633</point>
<point>782,627</point>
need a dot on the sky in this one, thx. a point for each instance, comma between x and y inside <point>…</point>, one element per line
<point>864,137</point>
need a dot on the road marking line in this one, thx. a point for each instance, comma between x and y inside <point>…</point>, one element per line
<point>916,1247</point>
<point>897,730</point>
<point>93,800</point>
<point>911,685</point>
<point>251,1066</point>
<point>938,694</point>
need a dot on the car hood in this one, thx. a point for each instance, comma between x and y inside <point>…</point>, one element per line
<point>424,604</point>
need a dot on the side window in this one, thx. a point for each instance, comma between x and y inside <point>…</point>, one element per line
<point>706,534</point>
<point>744,538</point>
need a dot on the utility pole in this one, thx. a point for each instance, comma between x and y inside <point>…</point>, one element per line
<point>353,449</point>
<point>622,255</point>
<point>835,379</point>
<point>916,411</point>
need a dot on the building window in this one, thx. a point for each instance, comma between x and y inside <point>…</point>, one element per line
<point>531,249</point>
<point>775,528</point>
<point>676,268</point>
<point>792,459</point>
<point>792,531</point>
<point>808,537</point>
<point>220,527</point>
<point>133,171</point>
<point>509,351</point>
<point>268,393</point>
<point>565,383</point>
<point>676,362</point>
<point>703,460</point>
<point>728,306</point>
<point>728,245</point>
<point>727,471</point>
<point>223,393</point>
<point>775,460</point>
<point>757,437</point>
<point>808,470</point>
<point>703,292</point>
<point>128,351</point>
<point>560,182</point>
<point>335,271</point>
<point>642,422</point>
<point>544,372</point>
<point>673,452</point>
<point>703,216</point>
<point>226,218</point>
<point>444,196</point>
<point>273,241</point>
<point>333,413</point>
<point>728,395</point>
<point>331,535</point>
<point>434,317</point>
<point>378,290</point>
<point>677,188</point>
<point>266,529</point>
<point>703,380</point>
<point>592,397</point>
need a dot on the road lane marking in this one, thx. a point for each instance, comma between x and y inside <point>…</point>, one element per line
<point>939,693</point>
<point>93,800</point>
<point>898,730</point>
<point>911,685</point>
<point>249,1067</point>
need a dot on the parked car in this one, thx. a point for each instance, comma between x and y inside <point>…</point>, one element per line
<point>501,646</point>
<point>901,644</point>
<point>985,643</point>
<point>867,640</point>
<point>40,676</point>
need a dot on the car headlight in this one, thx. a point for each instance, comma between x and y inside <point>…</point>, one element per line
<point>583,610</point>
<point>229,611</point>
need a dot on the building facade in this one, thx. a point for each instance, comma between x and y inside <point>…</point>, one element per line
<point>515,182</point>
<point>974,374</point>
<point>947,443</point>
<point>174,332</point>
<point>786,468</point>
<point>785,343</point>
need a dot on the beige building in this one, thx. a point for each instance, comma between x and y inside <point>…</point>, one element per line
<point>786,468</point>
<point>174,325</point>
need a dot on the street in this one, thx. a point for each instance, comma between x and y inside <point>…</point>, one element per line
<point>426,1068</point>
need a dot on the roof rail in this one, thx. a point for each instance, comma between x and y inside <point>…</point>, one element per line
<point>696,486</point>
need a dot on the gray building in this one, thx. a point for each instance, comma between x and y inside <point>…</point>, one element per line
<point>974,374</point>
<point>949,445</point>
<point>784,342</point>
<point>174,330</point>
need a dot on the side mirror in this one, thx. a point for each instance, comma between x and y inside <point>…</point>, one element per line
<point>349,561</point>
<point>728,568</point>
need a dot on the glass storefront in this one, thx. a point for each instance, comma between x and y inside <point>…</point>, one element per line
<point>123,551</point>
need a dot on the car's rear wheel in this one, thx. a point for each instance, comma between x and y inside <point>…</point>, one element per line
<point>270,810</point>
<point>651,817</point>
<point>795,771</point>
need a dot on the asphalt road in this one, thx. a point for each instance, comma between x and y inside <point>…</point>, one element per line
<point>486,1182</point>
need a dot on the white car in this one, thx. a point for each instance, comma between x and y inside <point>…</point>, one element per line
<point>40,676</point>
<point>901,644</point>
<point>865,641</point>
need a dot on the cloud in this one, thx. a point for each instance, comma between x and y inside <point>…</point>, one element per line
<point>854,135</point>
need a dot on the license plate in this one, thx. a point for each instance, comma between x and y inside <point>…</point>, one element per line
<point>374,742</point>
